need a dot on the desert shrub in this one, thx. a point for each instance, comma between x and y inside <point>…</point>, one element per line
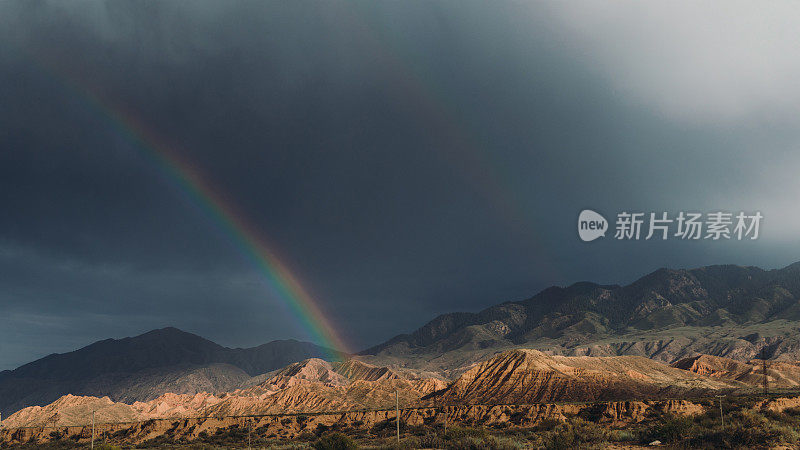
<point>455,433</point>
<point>457,438</point>
<point>575,433</point>
<point>469,442</point>
<point>546,425</point>
<point>743,428</point>
<point>622,436</point>
<point>469,438</point>
<point>384,428</point>
<point>412,442</point>
<point>748,429</point>
<point>670,429</point>
<point>430,440</point>
<point>735,403</point>
<point>708,420</point>
<point>502,443</point>
<point>334,441</point>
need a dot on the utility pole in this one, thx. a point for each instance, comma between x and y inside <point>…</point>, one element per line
<point>764,367</point>
<point>248,435</point>
<point>445,419</point>
<point>444,408</point>
<point>397,408</point>
<point>92,428</point>
<point>721,416</point>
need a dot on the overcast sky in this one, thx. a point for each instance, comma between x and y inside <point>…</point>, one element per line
<point>406,159</point>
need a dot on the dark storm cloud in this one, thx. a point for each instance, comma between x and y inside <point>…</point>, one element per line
<point>407,159</point>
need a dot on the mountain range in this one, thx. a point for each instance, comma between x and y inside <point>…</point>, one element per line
<point>739,313</point>
<point>311,385</point>
<point>144,367</point>
<point>528,385</point>
<point>732,311</point>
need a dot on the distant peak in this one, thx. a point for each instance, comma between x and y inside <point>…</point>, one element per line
<point>172,335</point>
<point>166,330</point>
<point>169,332</point>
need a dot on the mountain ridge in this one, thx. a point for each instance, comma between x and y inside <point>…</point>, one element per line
<point>142,367</point>
<point>570,320</point>
<point>525,376</point>
<point>737,312</point>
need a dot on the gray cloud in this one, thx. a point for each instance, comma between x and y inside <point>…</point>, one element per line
<point>702,62</point>
<point>406,159</point>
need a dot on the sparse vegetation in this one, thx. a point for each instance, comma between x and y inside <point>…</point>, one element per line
<point>745,426</point>
<point>576,433</point>
<point>334,441</point>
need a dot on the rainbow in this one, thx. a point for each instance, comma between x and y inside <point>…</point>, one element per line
<point>457,148</point>
<point>254,247</point>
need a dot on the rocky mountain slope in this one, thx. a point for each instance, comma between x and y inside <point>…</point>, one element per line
<point>154,432</point>
<point>780,374</point>
<point>517,377</point>
<point>731,311</point>
<point>144,367</point>
<point>529,376</point>
<point>313,385</point>
<point>316,385</point>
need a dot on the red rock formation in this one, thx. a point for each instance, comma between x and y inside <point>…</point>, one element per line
<point>780,374</point>
<point>530,376</point>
